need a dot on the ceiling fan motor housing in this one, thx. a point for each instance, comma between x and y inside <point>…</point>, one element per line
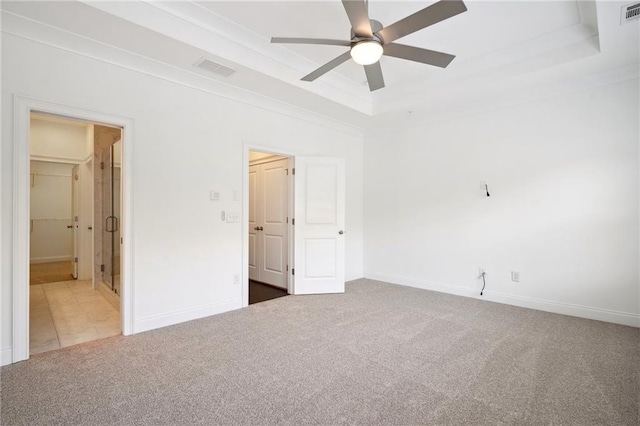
<point>375,27</point>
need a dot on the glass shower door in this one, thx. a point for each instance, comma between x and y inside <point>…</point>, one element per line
<point>111,225</point>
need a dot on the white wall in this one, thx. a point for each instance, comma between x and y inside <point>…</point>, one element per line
<point>50,239</point>
<point>185,143</point>
<point>58,140</point>
<point>563,211</point>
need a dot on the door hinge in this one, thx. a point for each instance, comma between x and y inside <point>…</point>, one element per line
<point>75,177</point>
<point>102,165</point>
<point>287,170</point>
<point>293,171</point>
<point>287,267</point>
<point>75,260</point>
<point>293,271</point>
<point>293,221</point>
<point>101,268</point>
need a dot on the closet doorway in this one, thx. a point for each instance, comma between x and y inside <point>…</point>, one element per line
<point>268,226</point>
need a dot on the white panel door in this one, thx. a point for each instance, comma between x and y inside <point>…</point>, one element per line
<point>319,225</point>
<point>253,223</point>
<point>272,218</point>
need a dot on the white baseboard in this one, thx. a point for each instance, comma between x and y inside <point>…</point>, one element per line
<point>353,276</point>
<point>50,259</point>
<point>623,318</point>
<point>164,320</point>
<point>6,356</point>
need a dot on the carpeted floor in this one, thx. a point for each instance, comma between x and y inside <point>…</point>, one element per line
<point>52,272</point>
<point>259,292</point>
<point>378,354</point>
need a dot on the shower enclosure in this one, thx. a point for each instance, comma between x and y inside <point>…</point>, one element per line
<point>107,205</point>
<point>111,224</point>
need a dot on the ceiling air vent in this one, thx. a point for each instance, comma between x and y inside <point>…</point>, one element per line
<point>630,12</point>
<point>214,67</point>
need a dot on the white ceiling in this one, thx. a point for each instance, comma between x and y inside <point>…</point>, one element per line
<point>505,50</point>
<point>478,32</point>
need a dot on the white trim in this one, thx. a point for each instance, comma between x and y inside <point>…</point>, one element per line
<point>23,106</point>
<point>45,34</point>
<point>599,314</point>
<point>20,238</point>
<point>50,259</point>
<point>246,147</point>
<point>270,159</point>
<point>6,356</point>
<point>163,320</point>
<point>63,160</point>
<point>624,318</point>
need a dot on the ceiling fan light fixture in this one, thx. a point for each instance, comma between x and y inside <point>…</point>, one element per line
<point>366,52</point>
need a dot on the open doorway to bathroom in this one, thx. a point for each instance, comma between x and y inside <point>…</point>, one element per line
<point>71,232</point>
<point>269,222</point>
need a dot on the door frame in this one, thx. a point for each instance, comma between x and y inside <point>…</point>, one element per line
<point>75,208</point>
<point>23,106</point>
<point>246,147</point>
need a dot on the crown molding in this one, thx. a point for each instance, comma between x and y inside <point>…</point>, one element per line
<point>202,28</point>
<point>45,34</point>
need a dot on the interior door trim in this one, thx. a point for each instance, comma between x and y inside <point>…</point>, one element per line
<point>23,106</point>
<point>246,147</point>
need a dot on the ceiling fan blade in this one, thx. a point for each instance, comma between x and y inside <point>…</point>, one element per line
<point>430,15</point>
<point>358,16</point>
<point>328,66</point>
<point>300,40</point>
<point>417,54</point>
<point>374,76</point>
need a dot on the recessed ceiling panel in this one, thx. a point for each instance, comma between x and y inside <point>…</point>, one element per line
<point>486,27</point>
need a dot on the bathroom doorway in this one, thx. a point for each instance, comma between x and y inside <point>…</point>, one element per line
<point>65,308</point>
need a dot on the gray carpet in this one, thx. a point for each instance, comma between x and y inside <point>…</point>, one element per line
<point>379,354</point>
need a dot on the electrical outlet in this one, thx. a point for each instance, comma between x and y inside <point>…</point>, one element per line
<point>515,276</point>
<point>236,279</point>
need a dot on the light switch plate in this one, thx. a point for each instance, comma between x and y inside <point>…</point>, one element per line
<point>233,217</point>
<point>215,195</point>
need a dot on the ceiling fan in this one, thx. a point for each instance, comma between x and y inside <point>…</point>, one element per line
<point>370,40</point>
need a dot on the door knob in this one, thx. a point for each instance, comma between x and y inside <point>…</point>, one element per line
<point>340,232</point>
<point>255,228</point>
<point>261,228</point>
<point>89,228</point>
<point>69,226</point>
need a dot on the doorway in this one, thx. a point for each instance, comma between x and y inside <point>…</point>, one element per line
<point>269,205</point>
<point>51,256</point>
<point>23,108</point>
<point>64,307</point>
<point>315,222</point>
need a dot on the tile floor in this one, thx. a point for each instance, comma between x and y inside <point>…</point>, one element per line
<point>67,313</point>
